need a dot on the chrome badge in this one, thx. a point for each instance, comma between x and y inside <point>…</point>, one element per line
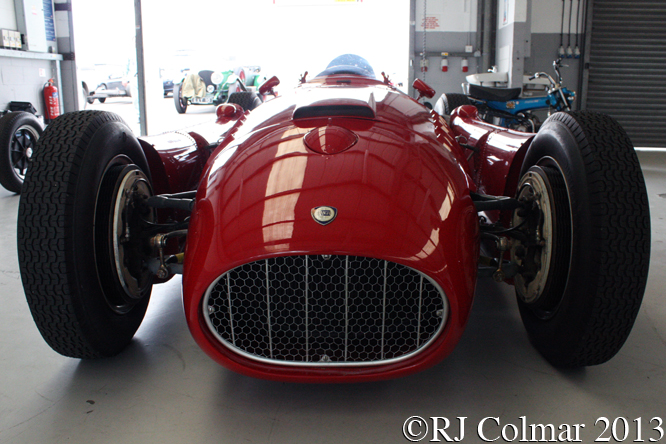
<point>324,215</point>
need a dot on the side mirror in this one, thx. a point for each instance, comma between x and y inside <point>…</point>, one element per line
<point>267,87</point>
<point>228,112</point>
<point>423,89</point>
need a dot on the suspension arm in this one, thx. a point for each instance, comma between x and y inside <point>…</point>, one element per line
<point>484,202</point>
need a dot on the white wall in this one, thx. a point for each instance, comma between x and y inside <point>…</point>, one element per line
<point>7,15</point>
<point>22,78</point>
<point>547,16</point>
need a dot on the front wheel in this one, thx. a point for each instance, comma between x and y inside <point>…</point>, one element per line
<point>585,247</point>
<point>19,133</point>
<point>81,254</point>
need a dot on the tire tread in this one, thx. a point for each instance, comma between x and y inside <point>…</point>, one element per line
<point>620,211</point>
<point>44,231</point>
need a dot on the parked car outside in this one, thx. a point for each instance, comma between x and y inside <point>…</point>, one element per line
<point>116,85</point>
<point>169,77</point>
<point>208,87</point>
<point>167,84</point>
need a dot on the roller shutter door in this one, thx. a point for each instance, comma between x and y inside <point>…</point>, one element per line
<point>627,67</point>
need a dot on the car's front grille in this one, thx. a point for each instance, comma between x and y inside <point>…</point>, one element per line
<point>325,310</point>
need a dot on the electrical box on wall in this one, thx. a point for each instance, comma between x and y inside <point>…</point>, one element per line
<point>30,22</point>
<point>10,39</point>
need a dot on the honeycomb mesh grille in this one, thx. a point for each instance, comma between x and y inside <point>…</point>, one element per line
<point>321,310</point>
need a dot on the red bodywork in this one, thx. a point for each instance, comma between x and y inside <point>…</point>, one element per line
<point>394,171</point>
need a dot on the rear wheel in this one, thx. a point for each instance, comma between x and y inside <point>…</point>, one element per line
<point>81,255</point>
<point>585,253</point>
<point>179,100</point>
<point>19,133</point>
<point>448,102</point>
<point>247,99</point>
<point>101,87</point>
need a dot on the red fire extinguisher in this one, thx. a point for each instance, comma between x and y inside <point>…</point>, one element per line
<point>52,105</point>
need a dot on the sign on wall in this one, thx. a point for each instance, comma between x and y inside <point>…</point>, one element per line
<point>511,11</point>
<point>446,15</point>
<point>49,25</point>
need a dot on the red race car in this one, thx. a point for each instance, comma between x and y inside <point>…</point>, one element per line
<point>335,233</point>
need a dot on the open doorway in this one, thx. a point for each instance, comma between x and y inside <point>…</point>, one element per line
<point>282,37</point>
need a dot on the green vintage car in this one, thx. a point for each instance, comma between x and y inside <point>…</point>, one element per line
<point>215,87</point>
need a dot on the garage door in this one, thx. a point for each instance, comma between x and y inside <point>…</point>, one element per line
<point>627,67</point>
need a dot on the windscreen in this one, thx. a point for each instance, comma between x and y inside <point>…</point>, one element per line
<point>349,64</point>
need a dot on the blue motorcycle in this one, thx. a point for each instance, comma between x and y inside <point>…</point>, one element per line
<point>505,106</point>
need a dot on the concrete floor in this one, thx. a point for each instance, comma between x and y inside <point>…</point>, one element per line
<point>163,389</point>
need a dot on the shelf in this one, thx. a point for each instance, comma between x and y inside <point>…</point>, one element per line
<point>29,55</point>
<point>450,54</point>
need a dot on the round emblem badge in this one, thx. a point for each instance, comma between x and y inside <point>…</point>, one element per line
<point>324,215</point>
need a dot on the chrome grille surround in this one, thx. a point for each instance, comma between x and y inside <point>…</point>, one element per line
<point>325,310</point>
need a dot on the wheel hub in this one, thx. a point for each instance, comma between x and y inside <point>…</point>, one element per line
<point>121,250</point>
<point>22,149</point>
<point>533,257</point>
<point>126,220</point>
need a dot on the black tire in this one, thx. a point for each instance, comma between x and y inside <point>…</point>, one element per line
<point>65,235</point>
<point>247,99</point>
<point>103,88</point>
<point>86,92</point>
<point>585,309</point>
<point>19,133</point>
<point>448,102</point>
<point>181,102</point>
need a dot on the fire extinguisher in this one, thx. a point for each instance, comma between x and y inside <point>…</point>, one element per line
<point>51,102</point>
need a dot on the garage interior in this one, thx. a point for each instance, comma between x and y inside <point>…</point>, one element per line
<point>164,388</point>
